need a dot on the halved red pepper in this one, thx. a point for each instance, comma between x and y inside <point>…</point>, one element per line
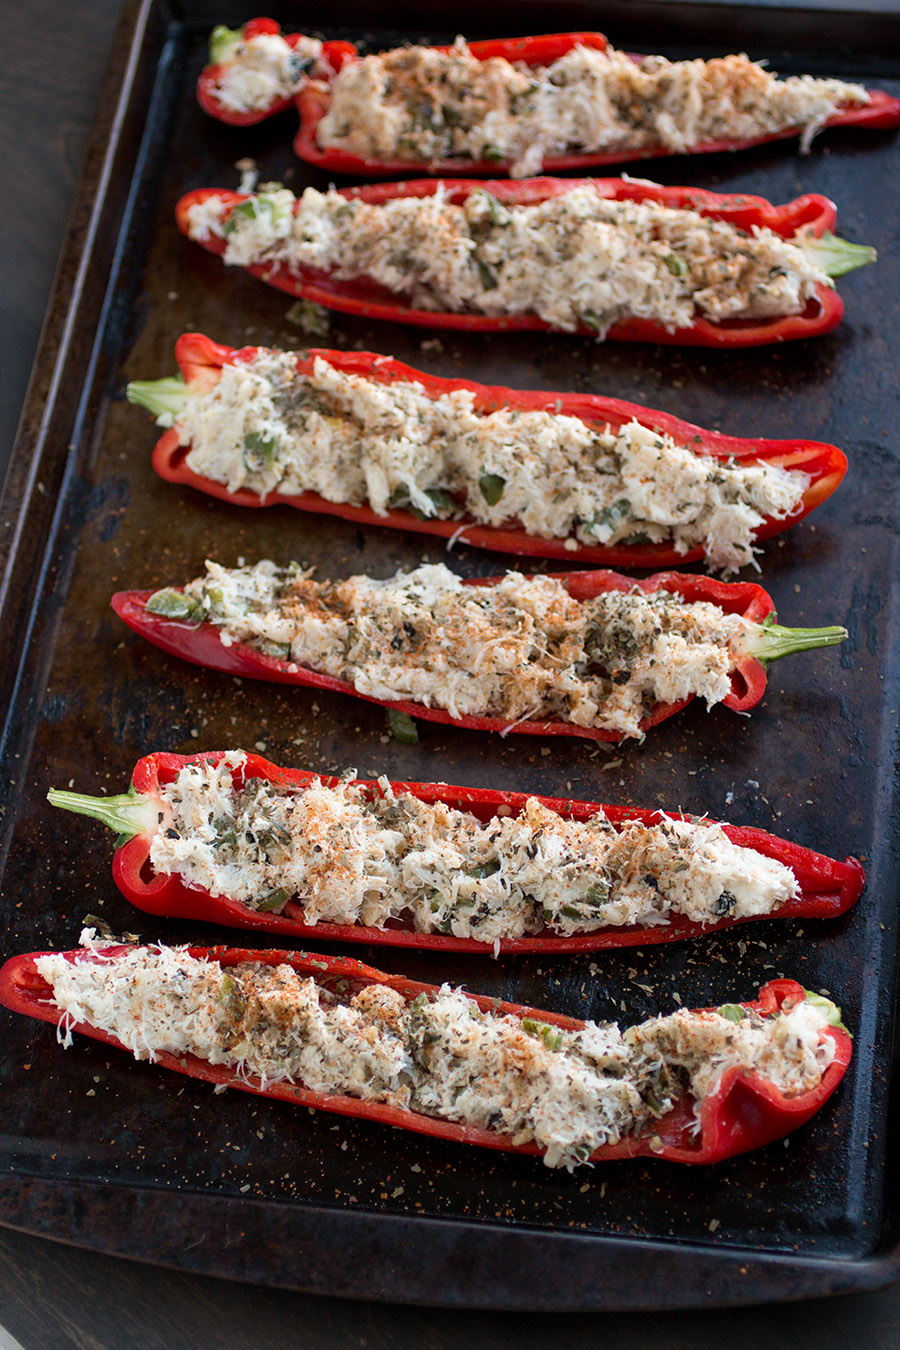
<point>746,1111</point>
<point>313,100</point>
<point>811,213</point>
<point>200,360</point>
<point>828,888</point>
<point>334,55</point>
<point>202,645</point>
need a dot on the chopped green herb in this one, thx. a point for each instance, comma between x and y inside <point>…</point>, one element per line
<point>402,727</point>
<point>605,523</point>
<point>733,1011</point>
<point>552,1038</point>
<point>491,485</point>
<point>312,318</point>
<point>487,275</point>
<point>259,449</point>
<point>487,869</point>
<point>276,900</point>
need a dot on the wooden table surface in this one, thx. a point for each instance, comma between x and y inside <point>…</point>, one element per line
<point>53,1296</point>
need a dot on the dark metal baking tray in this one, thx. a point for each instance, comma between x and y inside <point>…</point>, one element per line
<point>108,1154</point>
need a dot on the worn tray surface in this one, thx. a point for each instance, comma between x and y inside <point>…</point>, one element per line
<point>95,1142</point>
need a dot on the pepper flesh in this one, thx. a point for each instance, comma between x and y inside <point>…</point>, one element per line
<point>313,99</point>
<point>812,213</point>
<point>746,1111</point>
<point>827,887</point>
<point>200,359</point>
<point>202,645</point>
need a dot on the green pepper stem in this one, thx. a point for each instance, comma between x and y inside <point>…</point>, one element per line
<point>128,814</point>
<point>836,256</point>
<point>166,398</point>
<point>223,43</point>
<point>830,1011</point>
<point>769,642</point>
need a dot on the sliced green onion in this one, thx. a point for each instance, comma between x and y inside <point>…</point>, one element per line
<point>259,449</point>
<point>402,727</point>
<point>552,1038</point>
<point>733,1011</point>
<point>491,485</point>
<point>275,901</point>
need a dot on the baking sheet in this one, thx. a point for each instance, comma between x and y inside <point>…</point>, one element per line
<point>100,1151</point>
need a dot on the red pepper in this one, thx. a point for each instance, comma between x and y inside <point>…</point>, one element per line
<point>200,359</point>
<point>313,100</point>
<point>202,645</point>
<point>746,1111</point>
<point>334,55</point>
<point>812,213</point>
<point>828,888</point>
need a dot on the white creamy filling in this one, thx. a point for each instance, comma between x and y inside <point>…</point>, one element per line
<point>569,1092</point>
<point>349,856</point>
<point>419,104</point>
<point>354,439</point>
<point>518,648</point>
<point>575,259</point>
<point>264,69</point>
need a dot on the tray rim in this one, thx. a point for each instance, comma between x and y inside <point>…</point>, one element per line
<point>72,1211</point>
<point>330,1245</point>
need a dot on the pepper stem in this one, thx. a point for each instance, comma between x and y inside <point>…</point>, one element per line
<point>165,398</point>
<point>836,256</point>
<point>769,642</point>
<point>223,42</point>
<point>128,814</point>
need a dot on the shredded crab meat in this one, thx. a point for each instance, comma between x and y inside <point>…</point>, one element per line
<point>351,438</point>
<point>350,855</point>
<point>521,647</point>
<point>577,259</point>
<point>569,1092</point>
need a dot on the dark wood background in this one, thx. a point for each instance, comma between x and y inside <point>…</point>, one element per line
<point>53,1296</point>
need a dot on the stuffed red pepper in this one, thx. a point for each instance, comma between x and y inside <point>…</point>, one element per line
<point>516,105</point>
<point>577,654</point>
<point>614,258</point>
<point>572,476</point>
<point>330,1033</point>
<point>226,836</point>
